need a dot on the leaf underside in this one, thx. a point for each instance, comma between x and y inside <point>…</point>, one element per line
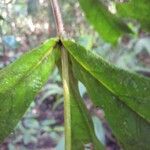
<point>130,129</point>
<point>82,131</point>
<point>131,88</point>
<point>124,96</point>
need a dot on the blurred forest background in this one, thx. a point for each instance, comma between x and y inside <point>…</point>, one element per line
<point>25,24</point>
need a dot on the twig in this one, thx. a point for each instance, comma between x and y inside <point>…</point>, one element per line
<point>58,18</point>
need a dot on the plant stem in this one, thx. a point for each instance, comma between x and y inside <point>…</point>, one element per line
<point>57,17</point>
<point>65,74</point>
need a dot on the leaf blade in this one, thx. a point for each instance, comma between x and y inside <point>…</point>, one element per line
<point>129,128</point>
<point>81,122</point>
<point>106,24</point>
<point>131,88</point>
<point>136,9</point>
<point>21,81</point>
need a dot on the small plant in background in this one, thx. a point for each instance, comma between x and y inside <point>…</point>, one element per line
<point>124,96</point>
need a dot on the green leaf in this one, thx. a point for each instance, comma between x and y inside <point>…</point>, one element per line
<point>82,130</point>
<point>107,25</point>
<point>76,116</point>
<point>131,88</point>
<point>137,9</point>
<point>20,82</point>
<point>130,129</point>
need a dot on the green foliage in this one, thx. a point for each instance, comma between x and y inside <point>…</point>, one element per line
<point>136,9</point>
<point>130,88</point>
<point>21,81</point>
<point>119,93</point>
<point>107,25</point>
<point>130,130</point>
<point>123,95</point>
<point>81,122</point>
